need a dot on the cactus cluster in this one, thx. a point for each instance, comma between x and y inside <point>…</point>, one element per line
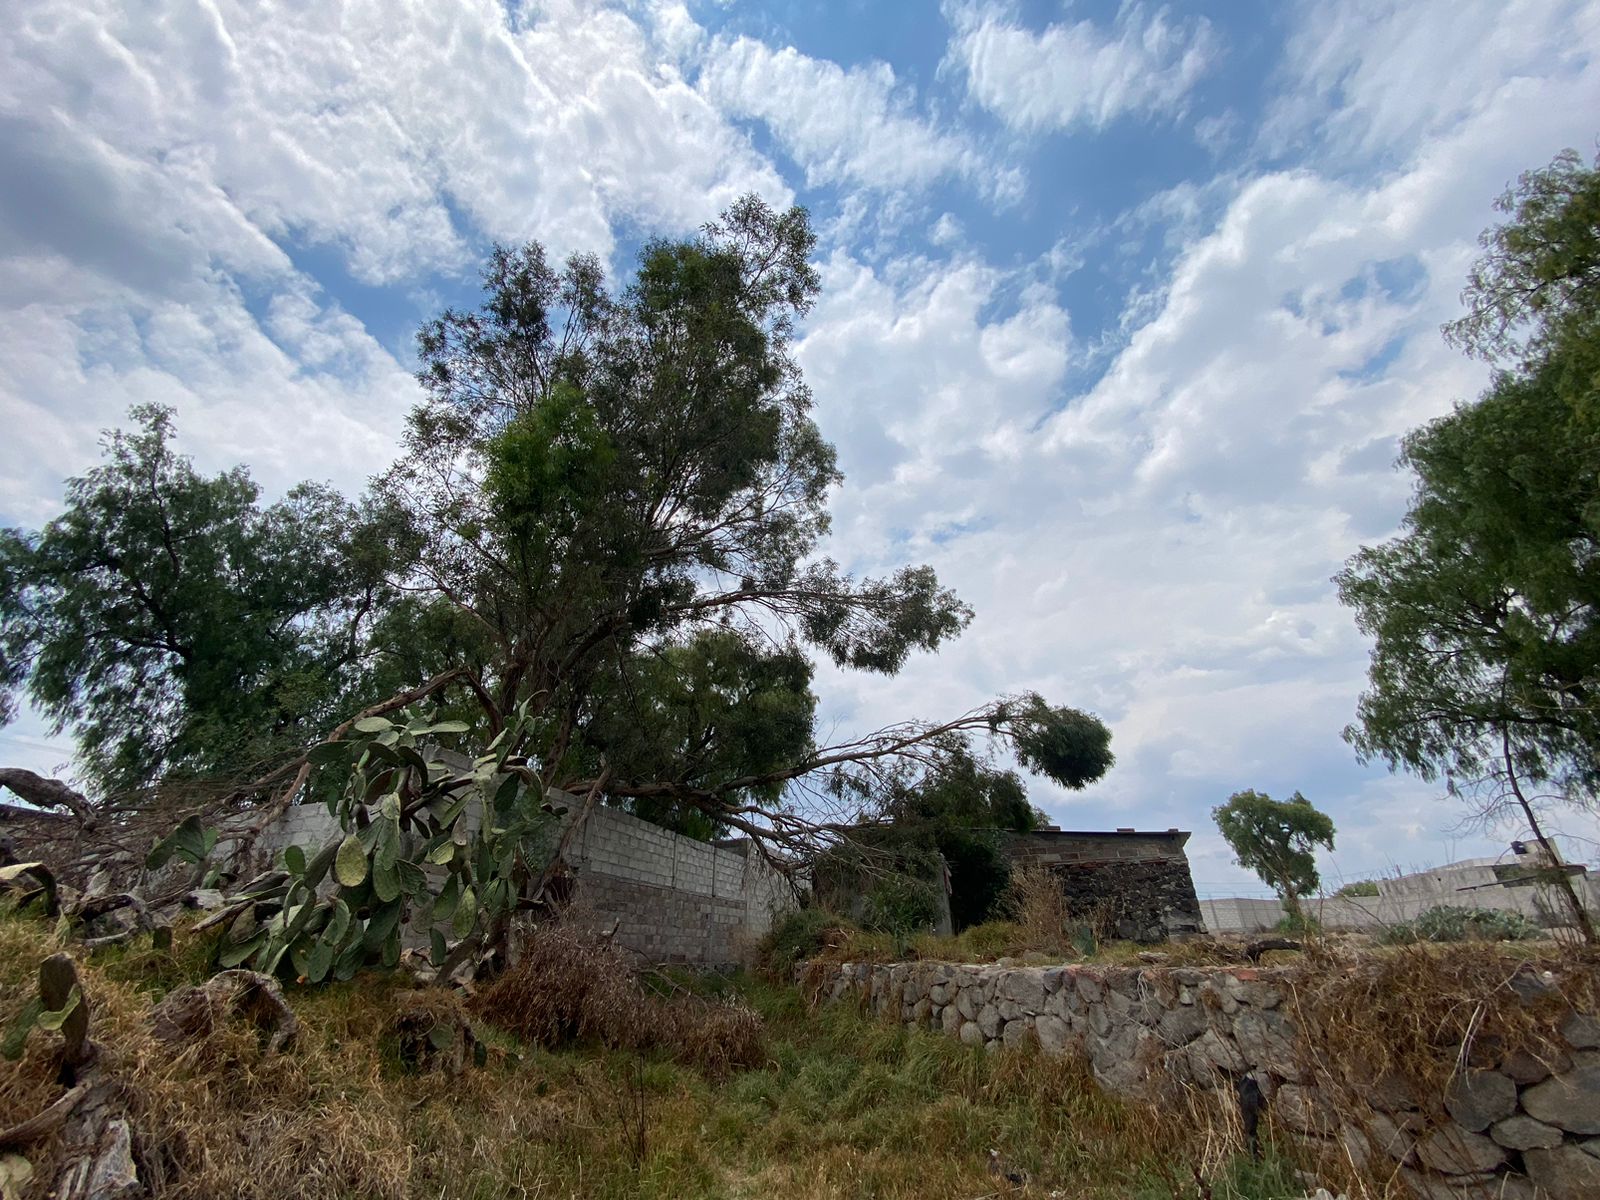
<point>429,840</point>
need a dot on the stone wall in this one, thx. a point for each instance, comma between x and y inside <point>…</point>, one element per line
<point>669,898</point>
<point>1140,881</point>
<point>1522,1128</point>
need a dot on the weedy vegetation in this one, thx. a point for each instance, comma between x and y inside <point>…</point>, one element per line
<point>641,1087</point>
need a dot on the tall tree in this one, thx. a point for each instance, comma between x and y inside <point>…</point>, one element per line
<point>1485,611</point>
<point>624,492</point>
<point>1277,839</point>
<point>179,628</point>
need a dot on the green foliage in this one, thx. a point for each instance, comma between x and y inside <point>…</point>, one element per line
<point>1532,294</point>
<point>1071,747</point>
<point>35,1015</point>
<point>426,845</point>
<point>797,937</point>
<point>1358,887</point>
<point>901,905</point>
<point>1276,839</point>
<point>1242,1177</point>
<point>626,491</point>
<point>1483,613</point>
<point>1297,923</point>
<point>700,715</point>
<point>958,807</point>
<point>176,626</point>
<point>1455,923</point>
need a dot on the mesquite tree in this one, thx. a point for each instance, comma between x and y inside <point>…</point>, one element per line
<point>604,540</point>
<point>1485,611</point>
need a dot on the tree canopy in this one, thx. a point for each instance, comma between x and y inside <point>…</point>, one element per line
<point>1277,839</point>
<point>1483,612</point>
<point>961,807</point>
<point>178,627</point>
<point>605,529</point>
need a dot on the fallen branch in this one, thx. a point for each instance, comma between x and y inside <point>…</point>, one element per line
<point>37,1126</point>
<point>49,793</point>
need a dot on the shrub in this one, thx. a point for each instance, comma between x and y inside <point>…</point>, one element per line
<point>1297,923</point>
<point>1359,887</point>
<point>798,936</point>
<point>900,904</point>
<point>1455,923</point>
<point>568,987</point>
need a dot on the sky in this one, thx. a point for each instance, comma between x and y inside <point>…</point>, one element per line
<point>1125,306</point>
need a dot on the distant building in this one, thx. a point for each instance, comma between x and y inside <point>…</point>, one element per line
<point>1139,881</point>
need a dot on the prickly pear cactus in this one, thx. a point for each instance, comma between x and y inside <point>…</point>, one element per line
<point>426,844</point>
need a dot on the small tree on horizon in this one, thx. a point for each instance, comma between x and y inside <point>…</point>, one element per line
<point>1277,840</point>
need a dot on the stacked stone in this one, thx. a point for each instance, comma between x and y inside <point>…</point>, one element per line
<point>1527,1129</point>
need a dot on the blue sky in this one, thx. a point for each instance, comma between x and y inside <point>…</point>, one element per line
<point>1126,305</point>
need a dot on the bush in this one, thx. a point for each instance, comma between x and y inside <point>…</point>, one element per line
<point>1293,923</point>
<point>1359,887</point>
<point>900,904</point>
<point>568,987</point>
<point>1455,923</point>
<point>798,936</point>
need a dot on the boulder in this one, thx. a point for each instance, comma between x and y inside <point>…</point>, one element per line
<point>1581,1031</point>
<point>1566,1172</point>
<point>1394,1136</point>
<point>1522,1132</point>
<point>1052,1033</point>
<point>990,1021</point>
<point>1023,988</point>
<point>1210,1053</point>
<point>1523,1067</point>
<point>1304,1110</point>
<point>971,1035</point>
<point>1017,1033</point>
<point>1457,1151</point>
<point>1268,1040</point>
<point>1179,1026</point>
<point>1570,1101</point>
<point>1478,1099</point>
<point>968,1001</point>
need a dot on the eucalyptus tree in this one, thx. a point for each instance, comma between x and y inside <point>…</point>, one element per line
<point>623,491</point>
<point>1277,839</point>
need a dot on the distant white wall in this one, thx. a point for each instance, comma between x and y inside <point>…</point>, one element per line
<point>1355,913</point>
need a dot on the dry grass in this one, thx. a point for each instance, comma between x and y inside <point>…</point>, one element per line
<point>569,988</point>
<point>1407,1020</point>
<point>838,1105</point>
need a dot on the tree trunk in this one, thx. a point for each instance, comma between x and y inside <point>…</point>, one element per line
<point>1580,914</point>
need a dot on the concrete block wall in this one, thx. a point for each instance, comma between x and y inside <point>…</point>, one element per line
<point>670,898</point>
<point>673,899</point>
<point>1373,913</point>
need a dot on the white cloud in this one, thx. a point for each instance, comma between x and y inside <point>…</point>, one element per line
<point>1160,548</point>
<point>380,128</point>
<point>1375,77</point>
<point>305,394</point>
<point>163,165</point>
<point>858,126</point>
<point>1078,74</point>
